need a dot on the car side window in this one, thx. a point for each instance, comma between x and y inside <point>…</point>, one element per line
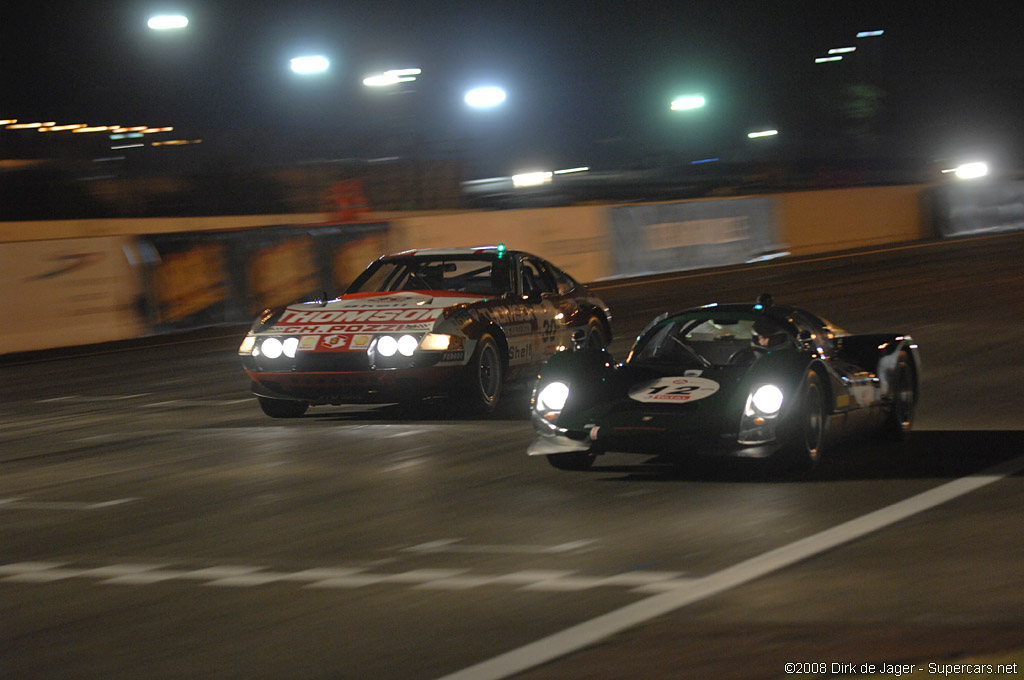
<point>815,327</point>
<point>536,277</point>
<point>563,282</point>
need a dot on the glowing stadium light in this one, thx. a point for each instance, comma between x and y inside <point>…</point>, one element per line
<point>762,133</point>
<point>569,171</point>
<point>825,60</point>
<point>971,170</point>
<point>531,179</point>
<point>485,97</point>
<point>166,22</point>
<point>870,34</point>
<point>9,121</point>
<point>392,77</point>
<point>688,103</point>
<point>842,50</point>
<point>310,64</point>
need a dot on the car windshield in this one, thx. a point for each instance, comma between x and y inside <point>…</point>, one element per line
<point>476,275</point>
<point>704,341</point>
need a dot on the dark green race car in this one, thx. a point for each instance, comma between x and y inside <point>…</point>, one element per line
<point>753,380</point>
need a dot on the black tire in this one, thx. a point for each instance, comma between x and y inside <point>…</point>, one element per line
<point>571,460</point>
<point>904,399</point>
<point>282,408</point>
<point>484,377</point>
<point>807,431</point>
<point>595,338</point>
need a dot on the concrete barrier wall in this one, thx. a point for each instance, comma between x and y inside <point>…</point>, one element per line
<point>968,208</point>
<point>821,221</point>
<point>86,281</point>
<point>11,232</point>
<point>68,292</point>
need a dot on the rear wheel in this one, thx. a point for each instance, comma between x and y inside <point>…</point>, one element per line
<point>282,408</point>
<point>485,375</point>
<point>904,398</point>
<point>571,460</point>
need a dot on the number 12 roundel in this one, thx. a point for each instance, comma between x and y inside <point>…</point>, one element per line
<point>673,390</point>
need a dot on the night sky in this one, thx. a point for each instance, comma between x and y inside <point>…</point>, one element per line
<point>589,83</point>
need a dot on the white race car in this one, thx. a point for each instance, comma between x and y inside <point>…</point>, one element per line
<point>458,322</point>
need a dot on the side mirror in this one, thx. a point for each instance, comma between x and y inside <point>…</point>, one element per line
<point>806,340</point>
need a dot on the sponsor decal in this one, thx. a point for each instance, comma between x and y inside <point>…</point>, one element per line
<point>397,315</point>
<point>361,341</point>
<point>65,264</point>
<point>308,342</point>
<point>520,353</point>
<point>673,390</point>
<point>335,341</point>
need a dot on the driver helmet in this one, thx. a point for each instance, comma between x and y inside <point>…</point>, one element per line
<point>767,335</point>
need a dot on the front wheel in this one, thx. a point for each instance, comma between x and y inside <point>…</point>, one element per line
<point>571,460</point>
<point>807,435</point>
<point>484,378</point>
<point>595,338</point>
<point>282,408</point>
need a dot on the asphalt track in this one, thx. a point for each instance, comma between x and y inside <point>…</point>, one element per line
<point>157,525</point>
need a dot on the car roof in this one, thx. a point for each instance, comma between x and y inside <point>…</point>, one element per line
<point>779,313</point>
<point>441,252</point>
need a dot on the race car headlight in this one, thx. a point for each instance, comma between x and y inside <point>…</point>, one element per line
<point>272,348</point>
<point>552,397</point>
<point>289,346</point>
<point>387,346</point>
<point>436,342</point>
<point>407,345</point>
<point>767,399</point>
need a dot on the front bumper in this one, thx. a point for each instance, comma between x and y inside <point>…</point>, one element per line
<point>340,387</point>
<point>650,441</point>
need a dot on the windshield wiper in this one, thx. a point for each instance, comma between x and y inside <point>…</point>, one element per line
<point>703,362</point>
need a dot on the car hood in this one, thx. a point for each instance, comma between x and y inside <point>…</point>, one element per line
<point>368,313</point>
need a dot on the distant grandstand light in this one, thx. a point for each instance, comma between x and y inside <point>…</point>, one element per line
<point>971,170</point>
<point>870,34</point>
<point>688,103</point>
<point>167,22</point>
<point>392,77</point>
<point>825,60</point>
<point>531,179</point>
<point>310,64</point>
<point>842,50</point>
<point>762,133</point>
<point>485,97</point>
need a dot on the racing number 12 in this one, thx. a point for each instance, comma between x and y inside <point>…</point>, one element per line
<point>675,391</point>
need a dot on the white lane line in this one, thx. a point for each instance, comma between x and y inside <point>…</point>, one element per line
<point>453,545</point>
<point>196,402</point>
<point>94,398</point>
<point>248,576</point>
<point>604,626</point>
<point>20,504</point>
